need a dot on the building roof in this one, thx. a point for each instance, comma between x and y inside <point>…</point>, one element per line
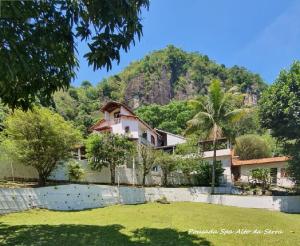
<point>169,133</point>
<point>111,106</point>
<point>237,162</point>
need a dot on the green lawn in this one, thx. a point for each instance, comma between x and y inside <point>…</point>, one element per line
<point>149,224</point>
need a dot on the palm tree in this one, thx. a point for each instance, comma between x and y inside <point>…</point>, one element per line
<point>215,111</point>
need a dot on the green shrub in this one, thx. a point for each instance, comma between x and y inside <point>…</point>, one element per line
<point>204,176</point>
<point>262,175</point>
<point>75,171</point>
<point>252,146</point>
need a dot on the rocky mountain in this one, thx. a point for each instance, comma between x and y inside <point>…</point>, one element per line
<point>172,73</point>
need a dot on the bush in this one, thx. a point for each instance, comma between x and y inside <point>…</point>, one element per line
<point>204,177</point>
<point>261,175</point>
<point>252,146</point>
<point>75,171</point>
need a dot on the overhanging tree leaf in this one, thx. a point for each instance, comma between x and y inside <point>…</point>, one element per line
<point>38,48</point>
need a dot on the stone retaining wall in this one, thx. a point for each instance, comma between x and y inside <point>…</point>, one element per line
<point>79,197</point>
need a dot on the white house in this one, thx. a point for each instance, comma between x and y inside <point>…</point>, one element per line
<point>120,119</point>
<point>277,165</point>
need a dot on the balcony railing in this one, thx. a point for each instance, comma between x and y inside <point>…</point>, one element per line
<point>113,121</point>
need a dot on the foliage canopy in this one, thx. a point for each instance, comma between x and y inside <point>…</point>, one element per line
<point>108,150</point>
<point>41,139</point>
<point>38,48</point>
<point>252,146</point>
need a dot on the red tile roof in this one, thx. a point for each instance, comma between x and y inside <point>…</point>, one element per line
<point>237,162</point>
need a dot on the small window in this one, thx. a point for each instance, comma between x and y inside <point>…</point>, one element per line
<point>152,139</point>
<point>117,114</point>
<point>144,135</point>
<point>127,129</point>
<point>273,174</point>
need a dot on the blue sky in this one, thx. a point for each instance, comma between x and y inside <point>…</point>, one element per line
<point>262,35</point>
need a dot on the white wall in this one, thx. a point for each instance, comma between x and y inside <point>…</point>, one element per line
<point>173,140</point>
<point>223,155</point>
<point>126,175</point>
<point>245,172</point>
<point>79,197</point>
<point>133,125</point>
<point>9,169</point>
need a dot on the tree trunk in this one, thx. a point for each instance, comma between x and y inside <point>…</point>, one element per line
<point>213,170</point>
<point>42,180</point>
<point>165,179</point>
<point>112,174</point>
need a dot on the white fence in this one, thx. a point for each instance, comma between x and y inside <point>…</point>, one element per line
<point>78,197</point>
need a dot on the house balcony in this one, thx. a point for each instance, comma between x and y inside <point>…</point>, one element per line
<point>112,122</point>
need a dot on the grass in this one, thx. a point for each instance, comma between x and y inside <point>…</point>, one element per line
<point>149,224</point>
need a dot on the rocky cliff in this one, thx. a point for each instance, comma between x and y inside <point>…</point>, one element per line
<point>172,73</point>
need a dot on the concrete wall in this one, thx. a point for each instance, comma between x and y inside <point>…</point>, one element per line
<point>245,172</point>
<point>173,140</point>
<point>78,197</point>
<point>16,169</point>
<point>68,197</point>
<point>223,155</point>
<point>124,175</point>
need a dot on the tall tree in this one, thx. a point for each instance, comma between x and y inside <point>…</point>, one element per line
<point>214,112</point>
<point>38,46</point>
<point>279,111</point>
<point>148,156</point>
<point>167,163</point>
<point>108,150</point>
<point>41,139</point>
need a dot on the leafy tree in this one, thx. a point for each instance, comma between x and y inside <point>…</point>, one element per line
<point>214,112</point>
<point>190,147</point>
<point>86,84</point>
<point>292,149</point>
<point>275,145</point>
<point>148,157</point>
<point>38,46</point>
<point>75,171</point>
<point>261,175</point>
<point>167,163</point>
<point>247,124</point>
<point>279,111</point>
<point>175,115</point>
<point>252,146</point>
<point>189,165</point>
<point>279,105</point>
<point>4,112</point>
<point>108,150</point>
<point>41,139</point>
<point>204,173</point>
<point>80,105</point>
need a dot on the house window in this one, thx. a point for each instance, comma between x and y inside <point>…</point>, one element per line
<point>127,129</point>
<point>273,174</point>
<point>144,135</point>
<point>117,114</point>
<point>152,140</point>
<point>283,173</point>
